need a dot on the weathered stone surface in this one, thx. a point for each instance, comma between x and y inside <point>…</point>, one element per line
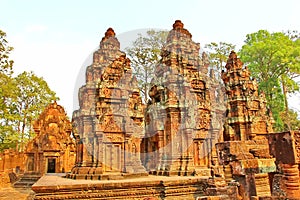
<point>108,127</point>
<point>283,147</point>
<point>245,151</point>
<point>178,114</point>
<point>52,150</point>
<point>12,161</point>
<point>247,111</point>
<point>168,188</point>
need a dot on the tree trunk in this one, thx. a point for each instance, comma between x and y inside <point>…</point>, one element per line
<point>22,135</point>
<point>288,124</point>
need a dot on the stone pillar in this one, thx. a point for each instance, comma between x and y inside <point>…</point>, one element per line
<point>161,151</point>
<point>38,162</point>
<point>262,185</point>
<point>99,157</point>
<point>190,167</point>
<point>228,173</point>
<point>291,180</point>
<point>84,153</point>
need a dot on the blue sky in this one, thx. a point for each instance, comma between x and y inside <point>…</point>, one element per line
<point>54,38</point>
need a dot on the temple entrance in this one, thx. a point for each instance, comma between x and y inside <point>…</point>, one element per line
<point>30,162</point>
<point>51,165</point>
<point>112,157</point>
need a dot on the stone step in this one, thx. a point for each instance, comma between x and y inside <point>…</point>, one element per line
<point>30,178</point>
<point>24,184</point>
<point>27,180</point>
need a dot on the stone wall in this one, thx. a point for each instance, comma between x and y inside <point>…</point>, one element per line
<point>12,161</point>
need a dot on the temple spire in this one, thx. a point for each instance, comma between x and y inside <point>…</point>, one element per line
<point>179,26</point>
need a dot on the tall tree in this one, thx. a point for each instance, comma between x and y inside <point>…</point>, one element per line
<point>8,135</point>
<point>144,54</point>
<point>218,53</point>
<point>33,95</point>
<point>273,59</point>
<point>292,118</point>
<point>7,93</point>
<point>5,63</point>
<point>22,99</point>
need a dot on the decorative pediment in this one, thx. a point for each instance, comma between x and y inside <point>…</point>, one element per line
<point>52,129</point>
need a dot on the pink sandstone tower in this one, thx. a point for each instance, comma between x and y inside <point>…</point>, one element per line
<point>108,127</point>
<point>178,115</point>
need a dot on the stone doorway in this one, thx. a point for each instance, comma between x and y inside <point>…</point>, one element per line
<point>51,165</point>
<point>30,162</point>
<point>113,157</point>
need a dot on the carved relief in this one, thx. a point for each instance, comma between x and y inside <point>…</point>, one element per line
<point>53,131</point>
<point>115,118</point>
<point>181,100</point>
<point>246,108</point>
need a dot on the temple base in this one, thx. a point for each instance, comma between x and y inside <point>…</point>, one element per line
<point>159,187</point>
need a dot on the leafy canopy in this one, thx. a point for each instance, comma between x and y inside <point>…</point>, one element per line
<point>274,60</point>
<point>144,54</point>
<point>22,99</point>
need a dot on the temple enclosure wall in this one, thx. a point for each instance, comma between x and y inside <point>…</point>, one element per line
<point>12,161</point>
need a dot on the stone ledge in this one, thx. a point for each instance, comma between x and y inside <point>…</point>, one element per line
<point>54,187</point>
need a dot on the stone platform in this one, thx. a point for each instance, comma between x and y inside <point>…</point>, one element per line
<point>160,187</point>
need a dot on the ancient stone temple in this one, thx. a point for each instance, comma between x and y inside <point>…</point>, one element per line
<point>245,151</point>
<point>52,150</point>
<point>108,127</point>
<point>173,135</point>
<point>178,115</point>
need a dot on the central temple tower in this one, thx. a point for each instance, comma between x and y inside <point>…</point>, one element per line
<point>178,115</point>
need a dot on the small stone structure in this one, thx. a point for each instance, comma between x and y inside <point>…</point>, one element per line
<point>108,127</point>
<point>52,150</point>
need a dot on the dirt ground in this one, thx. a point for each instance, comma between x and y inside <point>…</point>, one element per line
<point>7,192</point>
<point>10,193</point>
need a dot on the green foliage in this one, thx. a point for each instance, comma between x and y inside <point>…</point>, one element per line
<point>144,54</point>
<point>5,63</point>
<point>275,100</point>
<point>33,95</point>
<point>22,99</point>
<point>271,55</point>
<point>291,118</point>
<point>273,59</point>
<point>218,53</point>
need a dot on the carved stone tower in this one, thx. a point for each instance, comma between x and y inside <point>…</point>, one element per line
<point>178,114</point>
<point>245,153</point>
<point>108,127</point>
<point>247,113</point>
